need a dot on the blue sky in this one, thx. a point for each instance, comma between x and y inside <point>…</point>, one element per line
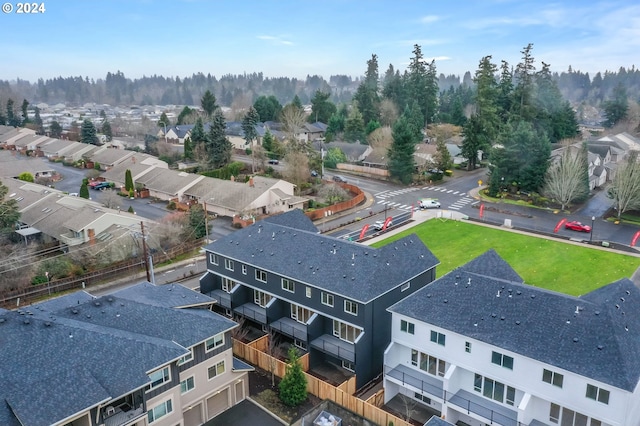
<point>300,38</point>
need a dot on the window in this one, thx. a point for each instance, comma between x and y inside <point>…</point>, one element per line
<point>554,413</point>
<point>347,365</point>
<point>567,417</point>
<point>552,377</point>
<point>260,298</point>
<point>345,331</point>
<point>422,397</point>
<point>244,269</point>
<point>467,347</point>
<point>327,299</point>
<point>432,365</point>
<point>228,264</point>
<point>351,307</point>
<point>300,344</point>
<point>438,338</point>
<point>215,342</point>
<point>159,411</point>
<point>308,291</point>
<point>405,286</point>
<point>288,285</point>
<point>597,394</point>
<point>158,378</point>
<point>407,327</point>
<point>188,357</point>
<point>215,370</point>
<point>495,390</point>
<point>502,360</point>
<point>414,357</point>
<point>213,258</point>
<point>300,314</point>
<point>261,275</point>
<point>228,285</point>
<point>187,384</point>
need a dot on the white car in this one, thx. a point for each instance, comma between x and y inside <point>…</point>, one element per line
<point>380,224</point>
<point>428,203</point>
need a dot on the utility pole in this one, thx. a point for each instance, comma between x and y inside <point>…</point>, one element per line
<point>145,253</point>
<point>206,223</point>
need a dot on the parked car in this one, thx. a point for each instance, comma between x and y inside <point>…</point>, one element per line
<point>340,179</point>
<point>314,173</point>
<point>274,161</point>
<point>574,225</point>
<point>380,224</point>
<point>428,203</point>
<point>102,185</point>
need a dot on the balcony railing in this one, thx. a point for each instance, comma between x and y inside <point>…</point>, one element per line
<point>70,240</point>
<point>252,311</point>
<point>408,377</point>
<point>334,346</point>
<point>291,328</point>
<point>118,417</point>
<point>223,298</point>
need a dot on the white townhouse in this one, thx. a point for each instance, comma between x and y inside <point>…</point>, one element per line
<point>482,347</point>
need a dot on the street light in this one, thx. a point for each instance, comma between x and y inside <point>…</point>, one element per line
<point>593,219</point>
<point>46,274</point>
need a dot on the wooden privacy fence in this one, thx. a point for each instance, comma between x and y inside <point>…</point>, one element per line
<point>341,395</point>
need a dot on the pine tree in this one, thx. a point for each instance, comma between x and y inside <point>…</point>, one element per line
<point>218,145</point>
<point>55,130</point>
<point>354,126</point>
<point>366,95</point>
<point>293,386</point>
<point>208,103</point>
<point>128,180</point>
<point>197,221</point>
<point>267,141</point>
<point>37,120</point>
<point>616,109</point>
<point>84,189</point>
<point>188,149</point>
<point>249,122</point>
<point>25,115</point>
<point>88,132</point>
<point>401,162</point>
<point>106,130</point>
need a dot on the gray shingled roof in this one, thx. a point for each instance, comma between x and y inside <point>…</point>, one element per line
<point>168,296</point>
<point>293,219</point>
<point>600,341</point>
<point>64,362</point>
<point>351,269</point>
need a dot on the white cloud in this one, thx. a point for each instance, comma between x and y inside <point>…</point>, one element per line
<point>275,40</point>
<point>429,19</point>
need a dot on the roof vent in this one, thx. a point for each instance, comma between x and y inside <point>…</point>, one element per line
<point>600,347</point>
<point>575,340</point>
<point>88,315</point>
<point>568,321</point>
<point>518,292</point>
<point>97,303</point>
<point>469,282</point>
<point>502,318</point>
<point>74,311</point>
<point>517,322</point>
<point>628,292</point>
<point>533,296</point>
<point>47,324</point>
<point>2,320</point>
<point>597,312</point>
<point>622,298</point>
<point>498,295</point>
<point>26,321</point>
<point>446,300</point>
<point>299,262</point>
<point>626,327</point>
<point>577,310</point>
<point>428,295</point>
<point>110,299</point>
<point>493,315</point>
<point>617,306</point>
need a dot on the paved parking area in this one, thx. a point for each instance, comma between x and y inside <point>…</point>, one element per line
<point>243,414</point>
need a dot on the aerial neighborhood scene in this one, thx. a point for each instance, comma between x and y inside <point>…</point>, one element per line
<point>333,214</point>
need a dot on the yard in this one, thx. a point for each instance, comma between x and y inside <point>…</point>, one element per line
<point>554,265</point>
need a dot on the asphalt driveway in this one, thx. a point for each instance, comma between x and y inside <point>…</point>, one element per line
<point>243,414</point>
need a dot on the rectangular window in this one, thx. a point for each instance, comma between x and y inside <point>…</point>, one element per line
<point>351,307</point>
<point>300,314</point>
<point>260,298</point>
<point>160,377</point>
<point>188,357</point>
<point>422,398</point>
<point>345,331</point>
<point>597,394</point>
<point>244,269</point>
<point>502,360</point>
<point>554,413</point>
<point>215,342</point>
<point>407,327</point>
<point>228,264</point>
<point>159,411</point>
<point>215,370</point>
<point>300,344</point>
<point>414,357</point>
<point>467,347</point>
<point>438,338</point>
<point>308,292</point>
<point>187,384</point>
<point>405,286</point>
<point>228,285</point>
<point>492,389</point>
<point>347,365</point>
<point>552,378</point>
<point>213,258</point>
<point>432,365</point>
<point>261,275</point>
<point>288,285</point>
<point>327,299</point>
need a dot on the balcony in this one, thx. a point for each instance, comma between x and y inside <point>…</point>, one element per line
<point>492,412</point>
<point>252,311</point>
<point>70,239</point>
<point>334,346</point>
<point>119,416</point>
<point>291,328</point>
<point>419,381</point>
<point>223,298</point>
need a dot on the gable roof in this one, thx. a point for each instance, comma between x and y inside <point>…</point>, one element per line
<point>356,271</point>
<point>295,219</point>
<point>586,335</point>
<point>81,342</point>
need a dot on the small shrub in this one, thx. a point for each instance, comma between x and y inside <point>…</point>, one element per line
<point>448,173</point>
<point>38,279</point>
<point>171,205</point>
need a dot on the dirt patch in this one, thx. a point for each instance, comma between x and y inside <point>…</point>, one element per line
<point>264,394</point>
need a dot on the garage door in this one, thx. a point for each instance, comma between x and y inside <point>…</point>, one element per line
<point>193,417</point>
<point>218,403</point>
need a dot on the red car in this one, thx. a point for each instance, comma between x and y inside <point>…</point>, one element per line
<point>577,226</point>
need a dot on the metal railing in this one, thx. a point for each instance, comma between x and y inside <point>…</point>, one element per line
<point>326,346</point>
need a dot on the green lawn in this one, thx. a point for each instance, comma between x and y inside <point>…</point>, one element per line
<point>554,265</point>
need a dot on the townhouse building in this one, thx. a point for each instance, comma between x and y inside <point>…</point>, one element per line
<point>145,355</point>
<point>482,347</point>
<point>328,296</point>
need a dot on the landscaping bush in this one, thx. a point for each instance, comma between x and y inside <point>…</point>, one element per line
<point>293,386</point>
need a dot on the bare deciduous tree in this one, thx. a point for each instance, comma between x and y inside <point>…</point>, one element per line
<point>112,200</point>
<point>625,189</point>
<point>293,118</point>
<point>567,178</point>
<point>15,272</point>
<point>388,112</point>
<point>297,168</point>
<point>333,193</point>
<point>381,138</point>
<point>408,406</point>
<point>273,350</point>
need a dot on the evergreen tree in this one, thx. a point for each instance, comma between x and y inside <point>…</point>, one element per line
<point>12,119</point>
<point>164,121</point>
<point>218,146</point>
<point>267,141</point>
<point>523,92</point>
<point>296,101</point>
<point>25,114</point>
<point>26,176</point>
<point>197,221</point>
<point>130,210</point>
<point>55,130</point>
<point>208,103</point>
<point>422,85</point>
<point>268,108</point>
<point>616,109</point>
<point>416,121</point>
<point>106,130</point>
<point>84,189</point>
<point>443,157</point>
<point>128,180</point>
<point>321,107</point>
<point>401,162</point>
<point>293,386</point>
<point>372,126</point>
<point>88,132</point>
<point>475,140</point>
<point>336,123</point>
<point>9,211</point>
<point>186,111</point>
<point>354,126</point>
<point>505,92</point>
<point>553,115</point>
<point>249,122</point>
<point>188,149</point>
<point>367,96</point>
<point>37,120</point>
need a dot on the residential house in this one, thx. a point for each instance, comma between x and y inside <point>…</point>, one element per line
<point>30,142</point>
<point>111,157</point>
<point>177,134</point>
<point>138,165</point>
<point>57,148</point>
<point>327,296</point>
<point>145,355</point>
<point>12,165</point>
<point>167,184</point>
<point>482,347</point>
<point>11,134</point>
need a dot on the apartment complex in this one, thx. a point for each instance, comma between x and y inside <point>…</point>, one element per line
<point>481,347</point>
<point>146,355</point>
<point>326,295</point>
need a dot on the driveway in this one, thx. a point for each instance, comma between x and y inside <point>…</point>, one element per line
<point>597,205</point>
<point>245,413</point>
